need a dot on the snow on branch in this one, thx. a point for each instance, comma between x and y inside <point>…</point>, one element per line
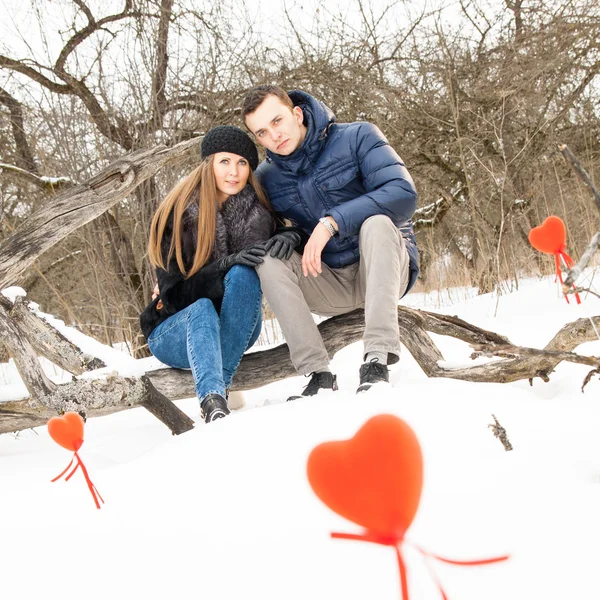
<point>428,216</point>
<point>45,183</point>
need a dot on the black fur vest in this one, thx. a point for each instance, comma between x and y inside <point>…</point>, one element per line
<point>241,223</point>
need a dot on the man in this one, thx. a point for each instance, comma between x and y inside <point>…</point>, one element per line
<point>345,187</point>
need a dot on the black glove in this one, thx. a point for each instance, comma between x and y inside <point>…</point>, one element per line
<point>282,244</point>
<point>250,257</point>
<point>208,281</point>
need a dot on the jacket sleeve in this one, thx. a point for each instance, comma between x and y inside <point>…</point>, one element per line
<point>389,187</point>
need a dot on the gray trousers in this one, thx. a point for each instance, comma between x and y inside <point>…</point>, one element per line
<point>375,283</point>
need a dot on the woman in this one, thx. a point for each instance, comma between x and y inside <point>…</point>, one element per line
<point>206,238</point>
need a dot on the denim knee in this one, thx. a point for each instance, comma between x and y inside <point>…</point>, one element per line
<point>242,273</point>
<point>243,278</point>
<point>201,305</point>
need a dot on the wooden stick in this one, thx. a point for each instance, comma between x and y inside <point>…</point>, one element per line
<point>575,271</point>
<point>500,433</point>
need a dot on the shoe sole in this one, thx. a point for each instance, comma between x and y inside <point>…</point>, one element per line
<point>367,386</point>
<point>217,414</point>
<point>333,389</point>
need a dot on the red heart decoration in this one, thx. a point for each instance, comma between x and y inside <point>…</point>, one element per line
<point>373,479</point>
<point>67,431</point>
<point>550,236</point>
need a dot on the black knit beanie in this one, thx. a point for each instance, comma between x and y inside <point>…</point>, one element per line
<point>227,138</point>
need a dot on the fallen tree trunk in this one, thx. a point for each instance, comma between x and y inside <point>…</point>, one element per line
<point>106,395</point>
<point>93,398</point>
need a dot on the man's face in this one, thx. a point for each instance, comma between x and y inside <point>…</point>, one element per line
<point>276,127</point>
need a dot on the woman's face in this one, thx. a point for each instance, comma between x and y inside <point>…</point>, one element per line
<point>231,173</point>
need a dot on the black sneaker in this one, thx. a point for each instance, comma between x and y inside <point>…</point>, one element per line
<point>213,407</point>
<point>318,381</point>
<point>371,373</point>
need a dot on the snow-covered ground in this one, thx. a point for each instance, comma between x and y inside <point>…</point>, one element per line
<point>225,511</point>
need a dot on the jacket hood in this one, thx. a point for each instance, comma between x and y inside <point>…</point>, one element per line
<point>317,118</point>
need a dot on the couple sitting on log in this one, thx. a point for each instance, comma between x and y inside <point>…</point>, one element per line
<point>218,238</point>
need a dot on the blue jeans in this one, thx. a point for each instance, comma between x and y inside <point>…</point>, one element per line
<point>209,343</point>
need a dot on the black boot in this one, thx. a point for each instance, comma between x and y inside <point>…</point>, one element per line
<point>371,373</point>
<point>318,381</point>
<point>213,407</point>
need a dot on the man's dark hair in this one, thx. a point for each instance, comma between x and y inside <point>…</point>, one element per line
<point>255,97</point>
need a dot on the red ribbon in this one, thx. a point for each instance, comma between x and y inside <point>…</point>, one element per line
<point>569,262</point>
<point>95,493</point>
<point>397,541</point>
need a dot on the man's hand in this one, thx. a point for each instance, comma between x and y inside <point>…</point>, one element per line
<point>311,258</point>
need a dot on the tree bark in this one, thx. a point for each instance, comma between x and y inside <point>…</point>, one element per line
<point>99,396</point>
<point>80,205</point>
<point>47,341</point>
<point>25,358</point>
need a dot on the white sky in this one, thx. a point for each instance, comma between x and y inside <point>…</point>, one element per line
<point>37,29</point>
<point>21,36</point>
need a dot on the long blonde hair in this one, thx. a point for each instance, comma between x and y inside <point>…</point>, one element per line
<point>200,183</point>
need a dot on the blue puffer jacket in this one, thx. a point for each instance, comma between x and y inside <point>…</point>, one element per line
<point>346,170</point>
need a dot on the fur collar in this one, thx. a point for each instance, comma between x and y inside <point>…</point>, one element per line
<point>241,222</point>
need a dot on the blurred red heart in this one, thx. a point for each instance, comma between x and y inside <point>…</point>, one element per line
<point>373,479</point>
<point>550,236</point>
<point>67,430</point>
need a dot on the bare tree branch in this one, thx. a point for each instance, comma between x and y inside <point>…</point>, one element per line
<point>48,184</point>
<point>21,67</point>
<point>87,31</point>
<point>510,351</point>
<point>26,361</point>
<point>581,172</point>
<point>432,214</point>
<point>46,340</point>
<point>18,129</point>
<point>80,205</point>
<point>118,132</point>
<point>575,272</point>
